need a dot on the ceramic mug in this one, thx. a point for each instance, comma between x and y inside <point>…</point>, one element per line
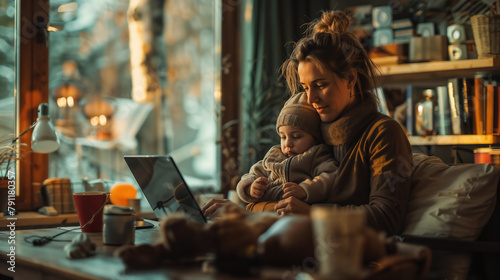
<point>89,207</point>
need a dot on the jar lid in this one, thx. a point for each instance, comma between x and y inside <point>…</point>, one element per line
<point>118,210</point>
<point>482,150</point>
<point>428,93</point>
<point>495,152</point>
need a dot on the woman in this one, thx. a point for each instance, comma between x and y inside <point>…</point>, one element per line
<point>333,69</point>
<point>375,158</point>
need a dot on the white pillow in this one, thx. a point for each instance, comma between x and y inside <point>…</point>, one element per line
<point>450,200</point>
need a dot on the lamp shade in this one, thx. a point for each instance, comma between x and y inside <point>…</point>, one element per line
<point>44,137</point>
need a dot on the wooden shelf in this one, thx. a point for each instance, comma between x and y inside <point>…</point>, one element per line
<point>454,140</point>
<point>427,72</point>
<point>435,74</point>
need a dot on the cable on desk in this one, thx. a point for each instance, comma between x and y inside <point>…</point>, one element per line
<point>42,240</point>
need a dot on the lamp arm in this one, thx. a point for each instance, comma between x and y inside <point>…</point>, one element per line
<point>24,132</point>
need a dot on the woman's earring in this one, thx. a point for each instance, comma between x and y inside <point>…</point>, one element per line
<point>350,93</point>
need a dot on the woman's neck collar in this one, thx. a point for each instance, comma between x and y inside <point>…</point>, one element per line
<point>350,124</point>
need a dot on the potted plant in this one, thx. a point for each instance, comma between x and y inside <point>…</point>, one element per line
<point>9,153</point>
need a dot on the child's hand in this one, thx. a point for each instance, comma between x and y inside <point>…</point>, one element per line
<point>259,187</point>
<point>292,189</point>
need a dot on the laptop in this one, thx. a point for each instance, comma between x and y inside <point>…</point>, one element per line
<point>164,186</point>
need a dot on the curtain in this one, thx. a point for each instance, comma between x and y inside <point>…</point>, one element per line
<point>268,29</point>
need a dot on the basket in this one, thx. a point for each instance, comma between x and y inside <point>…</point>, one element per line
<point>486,30</point>
<point>58,192</point>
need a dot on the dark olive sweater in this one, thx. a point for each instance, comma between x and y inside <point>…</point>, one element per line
<point>375,165</point>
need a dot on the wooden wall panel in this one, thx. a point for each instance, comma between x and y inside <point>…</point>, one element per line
<point>230,94</point>
<point>33,87</point>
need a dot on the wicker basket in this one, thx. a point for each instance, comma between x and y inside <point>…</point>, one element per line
<point>486,31</point>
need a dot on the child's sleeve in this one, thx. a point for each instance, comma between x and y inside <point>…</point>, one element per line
<point>243,186</point>
<point>274,193</point>
<point>318,187</point>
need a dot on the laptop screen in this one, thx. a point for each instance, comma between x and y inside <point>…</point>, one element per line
<point>164,187</point>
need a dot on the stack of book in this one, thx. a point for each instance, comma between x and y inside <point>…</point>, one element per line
<point>403,31</point>
<point>463,106</point>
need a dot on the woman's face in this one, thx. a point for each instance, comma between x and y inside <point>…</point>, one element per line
<point>326,92</point>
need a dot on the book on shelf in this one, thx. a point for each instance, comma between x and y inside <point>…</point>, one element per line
<point>409,110</point>
<point>400,33</point>
<point>496,110</point>
<point>402,24</point>
<point>454,92</point>
<point>490,104</point>
<point>414,96</point>
<point>383,108</point>
<point>466,86</point>
<point>443,102</point>
<point>403,40</point>
<point>477,102</point>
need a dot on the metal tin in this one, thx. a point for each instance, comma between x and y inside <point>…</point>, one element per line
<point>119,225</point>
<point>482,155</point>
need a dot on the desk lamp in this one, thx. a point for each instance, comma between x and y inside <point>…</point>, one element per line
<point>44,138</point>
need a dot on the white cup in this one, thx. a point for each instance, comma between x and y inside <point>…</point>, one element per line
<point>233,196</point>
<point>338,240</point>
<point>119,225</point>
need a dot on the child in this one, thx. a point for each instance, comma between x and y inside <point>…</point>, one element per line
<point>302,167</point>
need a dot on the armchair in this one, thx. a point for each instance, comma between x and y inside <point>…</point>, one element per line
<point>455,211</point>
<point>484,252</point>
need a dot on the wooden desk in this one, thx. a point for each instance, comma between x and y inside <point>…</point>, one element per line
<point>31,220</point>
<point>49,261</point>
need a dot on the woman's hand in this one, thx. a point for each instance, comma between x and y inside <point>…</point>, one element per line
<point>293,189</point>
<point>212,207</point>
<point>292,205</point>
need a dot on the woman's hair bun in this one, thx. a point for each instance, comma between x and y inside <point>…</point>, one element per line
<point>332,22</point>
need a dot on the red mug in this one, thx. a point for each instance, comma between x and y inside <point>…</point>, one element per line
<point>89,207</point>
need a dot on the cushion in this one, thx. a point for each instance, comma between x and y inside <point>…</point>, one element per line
<point>450,200</point>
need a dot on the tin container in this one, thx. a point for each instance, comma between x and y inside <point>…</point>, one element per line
<point>482,155</point>
<point>119,225</point>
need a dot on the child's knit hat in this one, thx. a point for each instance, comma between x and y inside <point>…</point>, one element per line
<point>299,113</point>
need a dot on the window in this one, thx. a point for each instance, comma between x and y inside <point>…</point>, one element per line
<point>7,82</point>
<point>130,78</point>
<point>7,108</point>
<point>109,97</point>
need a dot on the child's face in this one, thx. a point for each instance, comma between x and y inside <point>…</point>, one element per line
<point>294,141</point>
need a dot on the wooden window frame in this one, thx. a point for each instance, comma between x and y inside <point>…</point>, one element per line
<point>230,94</point>
<point>33,88</point>
<point>32,84</point>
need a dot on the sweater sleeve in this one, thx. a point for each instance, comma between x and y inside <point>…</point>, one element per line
<point>391,166</point>
<point>323,174</point>
<point>243,186</point>
<point>274,193</point>
<point>318,188</point>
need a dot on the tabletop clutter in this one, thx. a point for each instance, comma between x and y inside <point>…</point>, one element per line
<point>112,213</point>
<point>338,242</point>
<point>333,242</point>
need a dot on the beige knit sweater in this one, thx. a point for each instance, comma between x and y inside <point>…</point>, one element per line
<point>314,171</point>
